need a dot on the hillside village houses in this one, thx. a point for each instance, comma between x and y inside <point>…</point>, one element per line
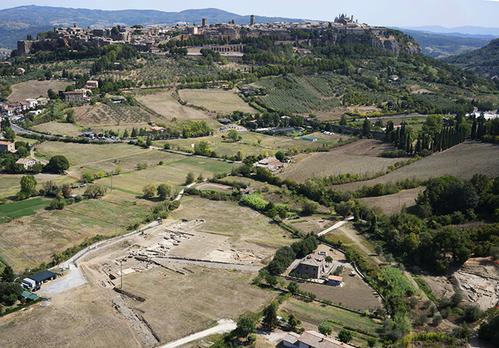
<point>311,339</point>
<point>27,163</point>
<point>78,96</point>
<point>227,38</point>
<point>30,104</point>
<point>7,146</point>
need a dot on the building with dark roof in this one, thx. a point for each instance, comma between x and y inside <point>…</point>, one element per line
<point>43,276</point>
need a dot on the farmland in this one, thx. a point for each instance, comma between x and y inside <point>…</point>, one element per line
<point>463,160</point>
<point>216,100</point>
<point>293,94</point>
<point>97,157</point>
<point>89,321</point>
<point>360,157</point>
<point>102,116</point>
<point>9,183</point>
<point>22,208</point>
<point>313,314</point>
<point>163,102</point>
<point>35,89</point>
<point>256,144</point>
<point>57,230</point>
<point>392,204</point>
<point>173,171</point>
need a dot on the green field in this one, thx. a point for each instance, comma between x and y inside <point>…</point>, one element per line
<point>10,183</point>
<point>105,157</point>
<point>173,171</point>
<point>22,208</point>
<point>255,144</point>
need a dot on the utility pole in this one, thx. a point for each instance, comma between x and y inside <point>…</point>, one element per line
<point>121,274</point>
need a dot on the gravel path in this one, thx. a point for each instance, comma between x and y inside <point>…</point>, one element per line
<point>223,326</point>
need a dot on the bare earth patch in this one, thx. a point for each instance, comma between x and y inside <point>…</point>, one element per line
<point>177,305</point>
<point>80,318</point>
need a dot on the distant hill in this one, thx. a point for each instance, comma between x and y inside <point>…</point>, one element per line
<point>464,30</point>
<point>438,45</point>
<point>484,60</point>
<point>16,23</point>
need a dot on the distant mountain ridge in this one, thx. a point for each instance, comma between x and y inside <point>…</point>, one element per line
<point>462,31</point>
<point>440,45</point>
<point>484,60</point>
<point>17,22</point>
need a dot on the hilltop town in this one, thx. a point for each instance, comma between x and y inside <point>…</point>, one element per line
<point>293,184</point>
<point>226,38</point>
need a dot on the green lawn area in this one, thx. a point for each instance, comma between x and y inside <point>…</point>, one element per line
<point>314,313</point>
<point>22,208</point>
<point>255,143</point>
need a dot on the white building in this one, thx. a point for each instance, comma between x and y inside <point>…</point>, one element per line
<point>311,339</point>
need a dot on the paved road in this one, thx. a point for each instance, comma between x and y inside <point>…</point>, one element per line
<point>224,326</point>
<point>335,226</point>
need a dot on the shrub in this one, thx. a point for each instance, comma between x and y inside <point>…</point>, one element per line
<point>471,313</point>
<point>57,204</point>
<point>57,165</point>
<point>326,328</point>
<point>345,336</point>
<point>164,191</point>
<point>95,191</point>
<point>189,179</point>
<point>255,201</point>
<point>149,191</point>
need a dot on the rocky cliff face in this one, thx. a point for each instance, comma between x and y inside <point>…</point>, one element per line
<point>393,41</point>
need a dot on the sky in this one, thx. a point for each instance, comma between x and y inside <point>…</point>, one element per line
<point>407,13</point>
